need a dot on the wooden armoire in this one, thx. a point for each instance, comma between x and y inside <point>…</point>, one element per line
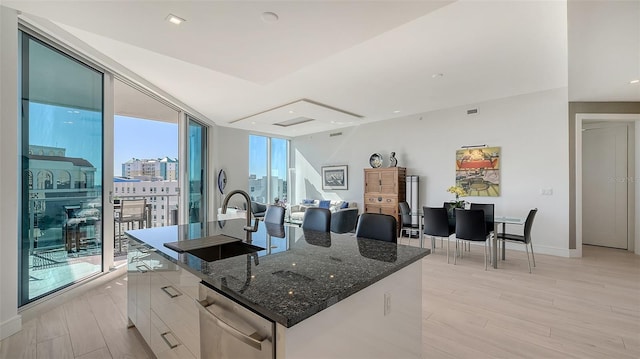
<point>384,188</point>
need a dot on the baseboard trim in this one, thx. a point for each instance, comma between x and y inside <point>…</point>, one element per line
<point>10,327</point>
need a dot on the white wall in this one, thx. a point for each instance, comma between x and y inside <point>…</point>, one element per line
<point>10,321</point>
<point>231,153</point>
<point>637,186</point>
<point>531,130</point>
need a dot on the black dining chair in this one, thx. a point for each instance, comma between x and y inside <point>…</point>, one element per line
<point>344,220</point>
<point>405,216</point>
<point>436,225</point>
<point>471,227</point>
<point>274,215</point>
<point>382,227</point>
<point>489,217</point>
<point>525,238</point>
<point>317,219</point>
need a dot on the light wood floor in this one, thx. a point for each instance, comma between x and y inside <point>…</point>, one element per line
<point>568,308</point>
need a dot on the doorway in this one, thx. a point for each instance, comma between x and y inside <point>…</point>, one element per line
<point>145,162</point>
<point>605,174</point>
<point>606,154</point>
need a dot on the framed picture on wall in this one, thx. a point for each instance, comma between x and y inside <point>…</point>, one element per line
<point>335,177</point>
<point>478,171</point>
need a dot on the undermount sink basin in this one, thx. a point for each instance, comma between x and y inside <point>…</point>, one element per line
<point>227,250</point>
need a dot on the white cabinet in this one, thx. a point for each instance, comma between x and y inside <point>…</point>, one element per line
<point>161,299</point>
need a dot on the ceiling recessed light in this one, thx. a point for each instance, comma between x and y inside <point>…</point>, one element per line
<point>269,17</point>
<point>439,74</point>
<point>396,111</point>
<point>634,81</point>
<point>176,20</point>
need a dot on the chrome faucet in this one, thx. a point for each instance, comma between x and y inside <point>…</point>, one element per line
<point>248,228</point>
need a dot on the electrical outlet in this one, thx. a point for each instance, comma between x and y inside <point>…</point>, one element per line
<point>387,303</point>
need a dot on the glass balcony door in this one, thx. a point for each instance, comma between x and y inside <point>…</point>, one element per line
<point>62,170</point>
<point>197,157</point>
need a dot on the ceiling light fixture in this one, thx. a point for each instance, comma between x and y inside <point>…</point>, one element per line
<point>634,81</point>
<point>396,111</point>
<point>439,74</point>
<point>176,20</point>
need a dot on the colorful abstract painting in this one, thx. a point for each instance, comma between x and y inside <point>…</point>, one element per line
<point>478,171</point>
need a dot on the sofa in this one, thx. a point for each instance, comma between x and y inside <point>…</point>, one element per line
<point>296,213</point>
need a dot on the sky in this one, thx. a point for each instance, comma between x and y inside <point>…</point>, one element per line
<point>142,139</point>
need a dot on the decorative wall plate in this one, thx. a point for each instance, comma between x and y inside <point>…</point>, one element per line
<point>375,160</point>
<point>222,180</point>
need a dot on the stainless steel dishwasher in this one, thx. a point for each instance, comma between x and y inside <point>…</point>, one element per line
<point>229,330</point>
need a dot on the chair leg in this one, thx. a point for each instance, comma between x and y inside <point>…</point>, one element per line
<point>532,256</point>
<point>485,255</point>
<point>447,251</point>
<point>526,247</point>
<point>455,253</point>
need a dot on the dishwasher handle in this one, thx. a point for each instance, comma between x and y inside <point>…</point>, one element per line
<point>253,340</point>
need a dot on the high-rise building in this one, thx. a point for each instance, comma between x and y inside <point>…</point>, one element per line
<point>151,169</point>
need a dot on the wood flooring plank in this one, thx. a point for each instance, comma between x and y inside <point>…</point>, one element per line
<point>21,345</point>
<point>51,324</point>
<point>84,332</point>
<point>102,353</point>
<point>56,348</point>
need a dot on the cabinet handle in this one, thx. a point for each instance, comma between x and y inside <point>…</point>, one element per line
<point>170,344</point>
<point>142,268</point>
<point>253,340</point>
<point>166,290</point>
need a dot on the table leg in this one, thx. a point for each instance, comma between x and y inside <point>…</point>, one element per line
<point>504,226</point>
<point>421,233</point>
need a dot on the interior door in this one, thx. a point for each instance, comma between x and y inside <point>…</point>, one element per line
<point>604,192</point>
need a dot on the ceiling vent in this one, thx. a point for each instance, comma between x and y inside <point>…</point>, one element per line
<point>293,121</point>
<point>335,134</point>
<point>473,111</point>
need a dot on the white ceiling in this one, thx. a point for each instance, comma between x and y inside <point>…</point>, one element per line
<point>374,59</point>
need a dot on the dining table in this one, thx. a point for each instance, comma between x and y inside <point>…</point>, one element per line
<point>500,223</point>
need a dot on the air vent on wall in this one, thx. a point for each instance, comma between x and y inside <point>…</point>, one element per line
<point>293,121</point>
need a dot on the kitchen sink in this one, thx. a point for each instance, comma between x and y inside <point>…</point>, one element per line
<point>222,251</point>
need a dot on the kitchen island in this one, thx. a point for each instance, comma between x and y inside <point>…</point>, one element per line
<point>324,294</point>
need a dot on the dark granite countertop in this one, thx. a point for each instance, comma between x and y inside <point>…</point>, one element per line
<point>298,274</point>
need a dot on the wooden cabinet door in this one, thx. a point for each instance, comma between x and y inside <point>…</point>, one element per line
<point>372,181</point>
<point>388,182</point>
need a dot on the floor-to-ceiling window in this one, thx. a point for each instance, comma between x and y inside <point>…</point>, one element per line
<point>62,164</point>
<point>268,163</point>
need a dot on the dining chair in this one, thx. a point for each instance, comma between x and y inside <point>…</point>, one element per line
<point>274,214</point>
<point>436,225</point>
<point>382,227</point>
<point>489,218</point>
<point>344,220</point>
<point>471,227</point>
<point>405,216</point>
<point>525,238</point>
<point>317,219</point>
